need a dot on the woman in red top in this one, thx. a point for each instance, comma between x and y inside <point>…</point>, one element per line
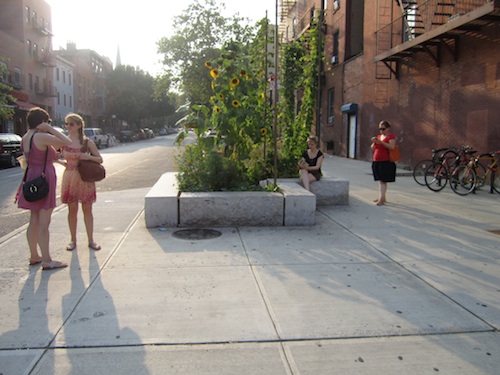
<point>384,170</point>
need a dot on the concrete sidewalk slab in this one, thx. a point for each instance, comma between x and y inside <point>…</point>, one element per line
<point>410,287</point>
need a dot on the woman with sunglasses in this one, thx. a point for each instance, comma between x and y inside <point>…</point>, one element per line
<point>73,189</point>
<point>384,170</point>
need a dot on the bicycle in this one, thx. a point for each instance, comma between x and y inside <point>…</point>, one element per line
<point>436,175</point>
<point>421,166</point>
<point>466,179</point>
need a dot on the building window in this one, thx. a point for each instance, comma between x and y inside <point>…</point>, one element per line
<point>17,76</point>
<point>35,50</point>
<point>58,98</point>
<point>354,27</point>
<point>57,74</point>
<point>65,100</point>
<point>335,48</point>
<point>30,79</point>
<point>27,14</point>
<point>69,79</point>
<point>70,101</point>
<point>330,106</point>
<point>33,18</point>
<point>64,76</point>
<point>29,47</point>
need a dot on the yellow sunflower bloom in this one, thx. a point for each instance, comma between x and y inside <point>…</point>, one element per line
<point>235,103</point>
<point>213,85</point>
<point>243,72</point>
<point>208,64</point>
<point>216,109</point>
<point>262,95</point>
<point>263,132</point>
<point>235,82</point>
<point>215,73</point>
<point>220,96</point>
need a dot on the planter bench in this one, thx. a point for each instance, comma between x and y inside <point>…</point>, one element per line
<point>293,206</point>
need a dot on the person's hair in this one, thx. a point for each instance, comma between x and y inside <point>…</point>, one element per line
<point>36,116</point>
<point>313,138</point>
<point>384,123</point>
<point>76,118</point>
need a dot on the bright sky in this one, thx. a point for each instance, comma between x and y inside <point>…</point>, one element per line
<point>103,25</point>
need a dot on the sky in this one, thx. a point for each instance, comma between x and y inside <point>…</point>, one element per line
<point>106,25</point>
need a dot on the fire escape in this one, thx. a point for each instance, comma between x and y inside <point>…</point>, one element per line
<point>431,27</point>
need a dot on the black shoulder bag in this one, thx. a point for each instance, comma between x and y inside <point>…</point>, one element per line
<point>38,188</point>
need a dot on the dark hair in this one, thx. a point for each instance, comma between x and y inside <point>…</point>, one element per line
<point>384,123</point>
<point>36,116</point>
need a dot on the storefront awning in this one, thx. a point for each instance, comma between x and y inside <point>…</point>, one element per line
<point>24,106</point>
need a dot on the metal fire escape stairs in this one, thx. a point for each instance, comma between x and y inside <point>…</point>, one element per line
<point>431,27</point>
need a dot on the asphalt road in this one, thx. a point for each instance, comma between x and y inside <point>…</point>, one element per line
<point>128,166</point>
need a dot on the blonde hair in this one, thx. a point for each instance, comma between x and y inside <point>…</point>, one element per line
<point>79,120</point>
<point>313,138</point>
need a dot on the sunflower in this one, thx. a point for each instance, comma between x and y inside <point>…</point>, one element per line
<point>216,109</point>
<point>208,64</point>
<point>235,103</point>
<point>214,73</point>
<point>262,95</point>
<point>220,96</point>
<point>263,131</point>
<point>243,72</point>
<point>235,82</point>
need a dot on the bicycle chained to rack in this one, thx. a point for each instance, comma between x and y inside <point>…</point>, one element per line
<point>467,178</point>
<point>437,174</point>
<point>421,166</point>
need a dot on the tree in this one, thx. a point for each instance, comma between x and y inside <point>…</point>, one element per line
<point>5,111</point>
<point>201,30</point>
<point>131,97</point>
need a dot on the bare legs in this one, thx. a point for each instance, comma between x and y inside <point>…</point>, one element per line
<point>38,235</point>
<point>382,188</point>
<point>88,218</point>
<point>306,178</point>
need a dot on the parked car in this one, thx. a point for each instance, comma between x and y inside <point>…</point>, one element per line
<point>162,131</point>
<point>127,136</point>
<point>149,133</point>
<point>97,135</point>
<point>10,149</point>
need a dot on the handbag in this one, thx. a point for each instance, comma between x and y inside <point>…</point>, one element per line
<point>394,154</point>
<point>89,170</point>
<point>37,188</point>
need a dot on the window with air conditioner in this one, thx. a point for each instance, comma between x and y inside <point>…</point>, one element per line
<point>331,93</point>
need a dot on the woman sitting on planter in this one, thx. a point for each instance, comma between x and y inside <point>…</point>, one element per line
<point>310,164</point>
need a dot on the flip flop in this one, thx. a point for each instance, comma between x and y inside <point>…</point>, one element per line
<point>53,265</point>
<point>94,246</point>
<point>71,246</point>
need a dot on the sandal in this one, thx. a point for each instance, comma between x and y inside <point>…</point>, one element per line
<point>53,265</point>
<point>94,246</point>
<point>71,246</point>
<point>34,262</point>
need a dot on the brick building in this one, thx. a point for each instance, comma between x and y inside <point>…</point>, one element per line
<point>432,68</point>
<point>89,80</point>
<point>26,51</point>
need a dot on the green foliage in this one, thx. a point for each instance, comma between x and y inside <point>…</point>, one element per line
<point>5,111</point>
<point>299,62</point>
<point>201,31</point>
<point>131,97</point>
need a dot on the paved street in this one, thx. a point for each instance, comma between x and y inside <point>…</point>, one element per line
<point>408,288</point>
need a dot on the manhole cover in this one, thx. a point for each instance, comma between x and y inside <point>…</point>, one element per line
<point>196,234</point>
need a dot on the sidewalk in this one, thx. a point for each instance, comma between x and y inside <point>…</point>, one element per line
<point>407,288</point>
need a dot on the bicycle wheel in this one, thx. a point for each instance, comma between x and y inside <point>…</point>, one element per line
<point>419,171</point>
<point>436,177</point>
<point>484,161</point>
<point>495,181</point>
<point>463,180</point>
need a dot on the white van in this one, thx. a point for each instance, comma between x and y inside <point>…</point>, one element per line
<point>97,135</point>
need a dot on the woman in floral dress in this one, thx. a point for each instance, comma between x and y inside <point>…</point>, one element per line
<point>73,189</point>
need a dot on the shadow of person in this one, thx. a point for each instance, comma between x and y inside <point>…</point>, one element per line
<point>93,338</point>
<point>33,331</point>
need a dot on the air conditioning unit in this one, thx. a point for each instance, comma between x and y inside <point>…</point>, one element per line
<point>336,4</point>
<point>334,59</point>
<point>330,119</point>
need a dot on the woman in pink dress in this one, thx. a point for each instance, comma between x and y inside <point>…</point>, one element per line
<point>40,138</point>
<point>73,189</point>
